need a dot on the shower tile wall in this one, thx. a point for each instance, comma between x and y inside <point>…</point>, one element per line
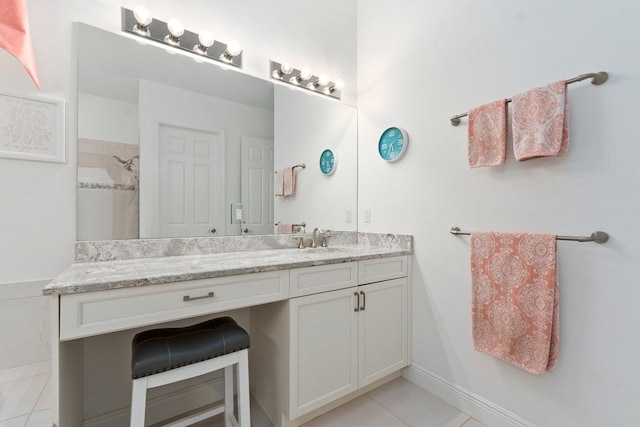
<point>108,203</point>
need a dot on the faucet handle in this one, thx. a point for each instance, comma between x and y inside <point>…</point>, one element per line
<point>325,236</point>
<point>300,241</point>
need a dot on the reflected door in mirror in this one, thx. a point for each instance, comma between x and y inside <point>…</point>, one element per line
<point>190,171</point>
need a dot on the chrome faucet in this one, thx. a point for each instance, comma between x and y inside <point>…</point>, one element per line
<point>314,236</point>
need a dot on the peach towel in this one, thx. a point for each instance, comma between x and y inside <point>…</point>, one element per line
<point>540,122</point>
<point>15,37</point>
<point>285,182</point>
<point>487,130</point>
<point>284,228</point>
<point>515,298</point>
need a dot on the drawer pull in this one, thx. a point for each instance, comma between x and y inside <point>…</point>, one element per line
<point>357,308</point>
<point>190,298</point>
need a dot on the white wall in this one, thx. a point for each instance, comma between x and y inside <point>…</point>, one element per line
<point>107,119</point>
<point>420,63</point>
<point>38,200</point>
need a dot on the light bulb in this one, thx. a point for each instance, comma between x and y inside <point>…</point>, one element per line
<point>143,19</point>
<point>205,40</point>
<point>142,15</point>
<point>233,48</point>
<point>175,28</point>
<point>338,85</point>
<point>305,73</point>
<point>323,80</point>
<point>286,68</point>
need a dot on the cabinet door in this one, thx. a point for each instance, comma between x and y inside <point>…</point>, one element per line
<point>382,329</point>
<point>324,352</point>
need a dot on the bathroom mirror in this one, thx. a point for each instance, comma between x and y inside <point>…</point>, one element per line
<point>169,147</point>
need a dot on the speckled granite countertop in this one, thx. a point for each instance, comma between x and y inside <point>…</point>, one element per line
<point>104,275</point>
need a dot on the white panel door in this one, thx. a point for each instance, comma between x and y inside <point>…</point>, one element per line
<point>382,323</point>
<point>323,349</point>
<point>190,182</point>
<point>257,185</point>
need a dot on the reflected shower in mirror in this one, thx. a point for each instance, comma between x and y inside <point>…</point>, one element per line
<point>168,147</point>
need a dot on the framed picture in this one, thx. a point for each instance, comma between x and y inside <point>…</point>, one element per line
<point>32,128</point>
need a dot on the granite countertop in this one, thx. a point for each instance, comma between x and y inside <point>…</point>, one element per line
<point>104,275</point>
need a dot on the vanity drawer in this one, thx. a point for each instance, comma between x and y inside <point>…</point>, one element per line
<point>323,278</point>
<point>377,270</point>
<point>94,313</point>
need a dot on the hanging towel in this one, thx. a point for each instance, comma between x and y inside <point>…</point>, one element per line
<point>540,122</point>
<point>289,181</point>
<point>487,130</point>
<point>515,298</point>
<point>285,184</point>
<point>15,36</point>
<point>284,228</point>
<point>278,187</point>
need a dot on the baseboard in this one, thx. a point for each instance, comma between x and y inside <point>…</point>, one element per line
<point>165,406</point>
<point>467,401</point>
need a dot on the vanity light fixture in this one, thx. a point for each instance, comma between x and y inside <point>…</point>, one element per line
<point>139,22</point>
<point>303,78</point>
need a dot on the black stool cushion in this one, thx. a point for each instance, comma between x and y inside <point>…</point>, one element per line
<point>159,350</point>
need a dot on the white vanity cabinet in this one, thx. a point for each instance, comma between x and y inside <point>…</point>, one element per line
<point>331,343</point>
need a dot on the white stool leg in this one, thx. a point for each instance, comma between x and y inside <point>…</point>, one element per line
<point>138,402</point>
<point>243,389</point>
<point>228,395</point>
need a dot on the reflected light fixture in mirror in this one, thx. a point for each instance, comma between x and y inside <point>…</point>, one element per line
<point>139,22</point>
<point>304,79</point>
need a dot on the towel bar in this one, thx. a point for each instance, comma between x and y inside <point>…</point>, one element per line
<point>302,165</point>
<point>596,79</point>
<point>596,236</point>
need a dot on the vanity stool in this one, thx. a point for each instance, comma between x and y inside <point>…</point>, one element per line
<point>165,356</point>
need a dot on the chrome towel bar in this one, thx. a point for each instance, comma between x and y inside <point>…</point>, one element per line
<point>596,236</point>
<point>596,79</point>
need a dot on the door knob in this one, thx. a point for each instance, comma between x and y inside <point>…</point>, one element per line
<point>213,230</point>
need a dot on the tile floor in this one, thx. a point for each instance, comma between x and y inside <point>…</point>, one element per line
<point>25,401</point>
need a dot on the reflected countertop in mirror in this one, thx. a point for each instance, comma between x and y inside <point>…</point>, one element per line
<point>171,147</point>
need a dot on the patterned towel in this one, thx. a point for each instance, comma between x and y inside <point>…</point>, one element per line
<point>487,130</point>
<point>540,122</point>
<point>515,298</point>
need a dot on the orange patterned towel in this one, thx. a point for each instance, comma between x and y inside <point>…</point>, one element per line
<point>515,298</point>
<point>487,131</point>
<point>540,122</point>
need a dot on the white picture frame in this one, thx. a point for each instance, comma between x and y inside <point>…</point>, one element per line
<point>32,128</point>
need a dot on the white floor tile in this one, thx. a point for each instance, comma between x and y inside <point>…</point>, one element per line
<point>45,401</point>
<point>360,412</point>
<point>417,407</point>
<point>473,423</point>
<point>15,422</point>
<point>20,397</point>
<point>25,371</point>
<point>40,419</point>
